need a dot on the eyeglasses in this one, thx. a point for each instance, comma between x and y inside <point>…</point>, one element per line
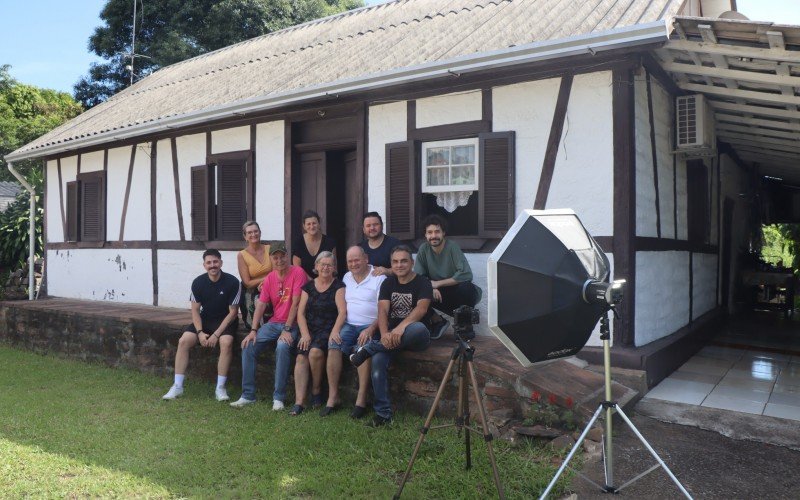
<point>325,265</point>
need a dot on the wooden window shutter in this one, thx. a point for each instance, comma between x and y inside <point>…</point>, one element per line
<point>202,190</point>
<point>73,211</point>
<point>496,203</point>
<point>92,195</point>
<point>401,189</point>
<point>231,199</point>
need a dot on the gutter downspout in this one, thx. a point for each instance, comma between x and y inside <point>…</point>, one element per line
<point>32,225</point>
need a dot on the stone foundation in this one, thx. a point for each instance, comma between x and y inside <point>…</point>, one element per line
<point>145,338</point>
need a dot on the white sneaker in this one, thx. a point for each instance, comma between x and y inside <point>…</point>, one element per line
<point>174,392</point>
<point>242,402</point>
<point>277,405</point>
<point>222,394</point>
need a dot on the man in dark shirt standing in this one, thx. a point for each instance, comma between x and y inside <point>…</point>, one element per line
<point>215,308</point>
<point>403,321</point>
<point>377,245</point>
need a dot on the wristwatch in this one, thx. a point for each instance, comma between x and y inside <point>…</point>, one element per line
<point>287,328</point>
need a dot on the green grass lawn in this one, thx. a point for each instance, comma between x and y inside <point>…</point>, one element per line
<point>70,429</point>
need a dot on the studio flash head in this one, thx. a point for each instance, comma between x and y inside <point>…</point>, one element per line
<point>603,293</point>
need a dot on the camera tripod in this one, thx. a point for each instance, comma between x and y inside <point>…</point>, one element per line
<point>608,456</point>
<point>463,353</point>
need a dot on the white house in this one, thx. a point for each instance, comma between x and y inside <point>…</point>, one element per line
<point>473,109</point>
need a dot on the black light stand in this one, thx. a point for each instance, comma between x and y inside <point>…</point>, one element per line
<point>610,406</point>
<point>463,352</point>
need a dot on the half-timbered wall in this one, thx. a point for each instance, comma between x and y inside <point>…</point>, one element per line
<point>123,271</point>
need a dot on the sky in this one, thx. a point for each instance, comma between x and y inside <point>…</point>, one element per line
<point>46,41</point>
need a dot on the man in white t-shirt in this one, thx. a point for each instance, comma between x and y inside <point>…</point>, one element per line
<point>361,296</point>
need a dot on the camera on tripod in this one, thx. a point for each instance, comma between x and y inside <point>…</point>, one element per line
<point>463,319</point>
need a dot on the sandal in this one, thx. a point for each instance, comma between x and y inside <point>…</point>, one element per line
<point>296,410</point>
<point>317,400</point>
<point>358,412</point>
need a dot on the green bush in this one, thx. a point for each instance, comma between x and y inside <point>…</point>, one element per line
<point>14,227</point>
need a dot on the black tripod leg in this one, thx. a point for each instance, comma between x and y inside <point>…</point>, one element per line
<point>487,436</point>
<point>427,425</point>
<point>462,418</point>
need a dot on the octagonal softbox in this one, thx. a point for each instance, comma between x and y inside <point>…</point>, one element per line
<point>536,277</point>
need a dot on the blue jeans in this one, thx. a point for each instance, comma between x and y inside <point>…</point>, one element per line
<point>416,337</point>
<point>268,332</point>
<point>349,334</point>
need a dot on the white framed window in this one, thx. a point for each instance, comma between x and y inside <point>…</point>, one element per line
<point>449,166</point>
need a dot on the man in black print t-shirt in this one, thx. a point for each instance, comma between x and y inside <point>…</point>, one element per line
<point>403,317</point>
<point>215,300</point>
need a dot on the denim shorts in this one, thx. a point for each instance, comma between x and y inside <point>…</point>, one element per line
<point>349,334</point>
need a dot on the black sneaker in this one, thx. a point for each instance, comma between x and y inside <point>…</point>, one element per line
<point>378,421</point>
<point>359,356</point>
<point>438,329</point>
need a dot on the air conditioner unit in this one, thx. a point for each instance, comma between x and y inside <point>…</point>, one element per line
<point>695,131</point>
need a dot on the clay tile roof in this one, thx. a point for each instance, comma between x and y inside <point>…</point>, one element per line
<point>354,44</point>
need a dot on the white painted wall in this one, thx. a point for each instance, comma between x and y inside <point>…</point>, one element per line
<point>449,108</point>
<point>92,162</point>
<point>583,178</point>
<point>116,178</point>
<point>101,274</point>
<point>166,209</point>
<point>387,124</point>
<point>662,294</point>
<point>178,268</point>
<point>269,179</point>
<point>527,109</point>
<point>230,139</point>
<point>704,294</point>
<point>191,153</point>
<point>55,228</point>
<point>137,217</point>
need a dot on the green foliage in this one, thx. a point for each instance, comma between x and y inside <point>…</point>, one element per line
<point>170,31</point>
<point>14,230</point>
<point>27,112</point>
<point>548,413</point>
<point>780,244</point>
<point>70,429</point>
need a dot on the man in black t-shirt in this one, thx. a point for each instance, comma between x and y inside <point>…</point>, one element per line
<point>215,308</point>
<point>403,321</point>
<point>377,245</point>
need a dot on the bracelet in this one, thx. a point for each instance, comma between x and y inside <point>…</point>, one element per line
<point>216,335</point>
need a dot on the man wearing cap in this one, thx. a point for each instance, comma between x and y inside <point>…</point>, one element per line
<point>282,289</point>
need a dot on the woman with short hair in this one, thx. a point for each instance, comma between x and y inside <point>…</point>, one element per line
<point>322,310</point>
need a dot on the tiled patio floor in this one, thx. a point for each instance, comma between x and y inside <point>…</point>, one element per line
<point>753,366</point>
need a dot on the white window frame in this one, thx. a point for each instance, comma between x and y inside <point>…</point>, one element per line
<point>449,187</point>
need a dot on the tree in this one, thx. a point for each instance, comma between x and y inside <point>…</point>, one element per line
<point>27,112</point>
<point>170,31</point>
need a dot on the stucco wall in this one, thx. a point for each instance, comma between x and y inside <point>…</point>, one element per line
<point>662,294</point>
<point>166,207</point>
<point>178,268</point>
<point>55,228</point>
<point>137,218</point>
<point>704,294</point>
<point>269,179</point>
<point>663,111</point>
<point>449,108</point>
<point>114,275</point>
<point>527,109</point>
<point>191,153</point>
<point>387,124</point>
<point>92,162</point>
<point>583,179</point>
<point>230,139</point>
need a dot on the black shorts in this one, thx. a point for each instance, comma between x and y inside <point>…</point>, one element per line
<point>210,327</point>
<point>318,342</point>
